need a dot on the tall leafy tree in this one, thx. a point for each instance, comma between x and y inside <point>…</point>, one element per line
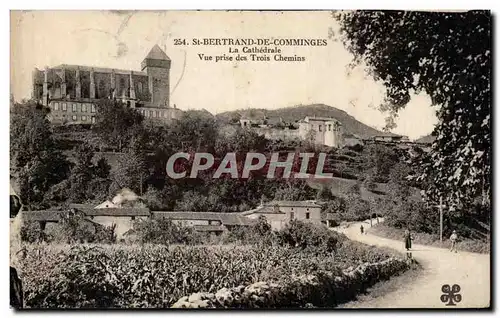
<point>35,159</point>
<point>81,173</point>
<point>133,169</point>
<point>448,56</point>
<point>116,123</point>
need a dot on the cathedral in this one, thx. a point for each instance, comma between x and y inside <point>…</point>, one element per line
<point>71,91</point>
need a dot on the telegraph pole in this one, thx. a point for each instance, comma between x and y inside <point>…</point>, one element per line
<point>440,206</point>
<point>441,218</point>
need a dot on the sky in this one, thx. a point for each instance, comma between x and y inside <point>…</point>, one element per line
<point>123,39</point>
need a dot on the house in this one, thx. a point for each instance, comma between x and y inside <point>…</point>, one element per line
<point>322,131</point>
<point>390,138</point>
<point>352,140</point>
<point>279,213</point>
<point>123,218</point>
<point>106,204</point>
<point>212,222</point>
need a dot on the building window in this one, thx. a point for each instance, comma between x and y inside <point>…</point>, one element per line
<point>307,216</point>
<point>292,216</point>
<point>92,108</point>
<point>329,127</point>
<point>56,106</point>
<point>102,89</point>
<point>133,218</point>
<point>139,87</point>
<point>84,108</point>
<point>64,107</point>
<point>84,118</point>
<point>157,114</point>
<point>122,86</point>
<point>93,119</point>
<point>319,127</point>
<point>74,118</point>
<point>74,108</point>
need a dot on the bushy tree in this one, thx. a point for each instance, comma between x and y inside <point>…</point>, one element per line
<point>194,131</point>
<point>133,167</point>
<point>35,160</point>
<point>446,55</point>
<point>294,190</point>
<point>82,173</point>
<point>116,123</point>
<point>324,194</point>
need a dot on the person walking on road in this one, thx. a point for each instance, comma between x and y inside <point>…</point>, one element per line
<point>362,229</point>
<point>408,239</point>
<point>454,239</point>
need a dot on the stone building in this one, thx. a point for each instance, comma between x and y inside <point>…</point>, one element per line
<point>71,91</point>
<point>211,222</point>
<point>320,130</point>
<point>279,213</point>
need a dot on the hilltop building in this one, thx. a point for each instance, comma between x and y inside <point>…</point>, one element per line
<point>320,130</point>
<point>323,131</point>
<point>71,91</point>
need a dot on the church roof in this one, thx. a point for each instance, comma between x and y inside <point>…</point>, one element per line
<point>157,53</point>
<point>97,69</point>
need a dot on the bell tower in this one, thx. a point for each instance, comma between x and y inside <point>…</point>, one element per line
<point>157,66</point>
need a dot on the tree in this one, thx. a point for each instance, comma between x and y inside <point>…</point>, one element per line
<point>196,131</point>
<point>447,56</point>
<point>294,190</point>
<point>81,173</point>
<point>116,123</point>
<point>35,159</point>
<point>324,194</point>
<point>153,199</point>
<point>132,171</point>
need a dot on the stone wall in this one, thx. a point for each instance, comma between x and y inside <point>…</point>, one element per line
<point>323,291</point>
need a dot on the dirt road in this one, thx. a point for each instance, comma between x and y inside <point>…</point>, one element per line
<point>470,271</point>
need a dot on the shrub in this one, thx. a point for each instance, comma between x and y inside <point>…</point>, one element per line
<point>165,232</point>
<point>31,232</point>
<point>73,228</point>
<point>258,233</point>
<point>306,235</point>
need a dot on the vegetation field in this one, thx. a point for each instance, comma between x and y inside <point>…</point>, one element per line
<point>156,276</point>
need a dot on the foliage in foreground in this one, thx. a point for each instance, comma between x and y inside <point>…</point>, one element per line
<point>156,276</point>
<point>448,57</point>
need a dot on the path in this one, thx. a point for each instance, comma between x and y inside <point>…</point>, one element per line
<point>469,270</point>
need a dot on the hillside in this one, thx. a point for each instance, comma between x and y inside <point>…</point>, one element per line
<point>293,114</point>
<point>428,139</point>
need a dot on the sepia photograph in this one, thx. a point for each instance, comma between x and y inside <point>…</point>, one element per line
<point>210,159</point>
